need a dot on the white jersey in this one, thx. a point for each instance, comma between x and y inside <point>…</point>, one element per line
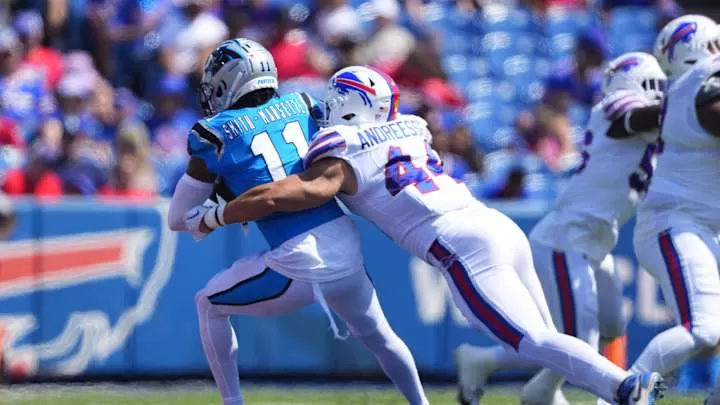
<point>401,184</point>
<point>604,191</point>
<point>685,188</point>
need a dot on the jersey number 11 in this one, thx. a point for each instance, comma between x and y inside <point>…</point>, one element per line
<point>262,145</point>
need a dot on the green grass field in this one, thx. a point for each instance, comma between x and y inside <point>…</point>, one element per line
<point>281,395</point>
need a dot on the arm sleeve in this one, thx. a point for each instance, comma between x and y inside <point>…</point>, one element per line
<point>189,193</point>
<point>204,144</point>
<point>327,143</point>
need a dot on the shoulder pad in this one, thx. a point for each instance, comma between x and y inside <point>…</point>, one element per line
<point>328,142</point>
<point>709,91</point>
<point>615,105</point>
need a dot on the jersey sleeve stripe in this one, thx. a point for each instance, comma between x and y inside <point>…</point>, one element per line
<point>323,137</point>
<point>620,110</point>
<point>324,147</point>
<point>208,136</point>
<point>614,103</point>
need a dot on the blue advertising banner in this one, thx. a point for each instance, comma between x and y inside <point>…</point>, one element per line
<point>90,289</point>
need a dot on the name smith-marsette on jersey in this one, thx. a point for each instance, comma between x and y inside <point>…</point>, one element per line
<point>243,123</point>
<point>391,131</point>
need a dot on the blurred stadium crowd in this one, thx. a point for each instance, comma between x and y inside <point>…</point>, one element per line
<point>97,96</point>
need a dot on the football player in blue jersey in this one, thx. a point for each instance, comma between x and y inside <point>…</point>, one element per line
<point>250,136</point>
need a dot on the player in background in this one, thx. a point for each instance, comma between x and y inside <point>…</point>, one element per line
<point>250,135</point>
<point>571,245</point>
<point>381,166</point>
<point>678,221</point>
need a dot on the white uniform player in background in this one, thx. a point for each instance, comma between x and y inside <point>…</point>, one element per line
<point>571,245</point>
<point>678,222</point>
<point>381,166</point>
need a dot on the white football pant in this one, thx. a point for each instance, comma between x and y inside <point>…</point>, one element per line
<point>250,288</point>
<point>488,264</point>
<point>684,261</point>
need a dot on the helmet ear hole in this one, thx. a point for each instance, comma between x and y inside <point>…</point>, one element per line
<point>219,91</point>
<point>348,117</point>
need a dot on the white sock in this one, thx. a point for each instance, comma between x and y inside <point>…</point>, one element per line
<point>667,351</point>
<point>220,346</point>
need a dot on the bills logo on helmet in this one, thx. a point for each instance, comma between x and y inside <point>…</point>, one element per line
<point>626,65</point>
<point>682,34</point>
<point>72,299</point>
<point>348,81</point>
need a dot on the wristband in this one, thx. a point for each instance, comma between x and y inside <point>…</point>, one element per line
<point>214,217</point>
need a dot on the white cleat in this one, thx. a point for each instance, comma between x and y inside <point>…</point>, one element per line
<point>474,365</point>
<point>543,389</point>
<point>601,401</point>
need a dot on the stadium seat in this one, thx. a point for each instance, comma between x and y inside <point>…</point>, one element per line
<point>564,21</point>
<point>455,43</point>
<point>629,20</point>
<point>457,68</point>
<point>480,67</point>
<point>499,17</point>
<point>531,92</point>
<point>528,83</point>
<point>501,138</point>
<point>501,46</point>
<point>480,90</point>
<point>620,44</point>
<point>561,46</point>
<point>461,21</point>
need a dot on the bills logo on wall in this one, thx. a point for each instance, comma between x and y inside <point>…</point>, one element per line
<point>71,299</point>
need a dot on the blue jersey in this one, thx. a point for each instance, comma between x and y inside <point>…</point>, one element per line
<point>253,146</point>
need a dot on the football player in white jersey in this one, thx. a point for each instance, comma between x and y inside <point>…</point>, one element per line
<point>381,166</point>
<point>678,222</point>
<point>571,245</point>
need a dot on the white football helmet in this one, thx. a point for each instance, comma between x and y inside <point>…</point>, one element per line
<point>684,41</point>
<point>359,95</point>
<point>635,71</point>
<point>235,68</point>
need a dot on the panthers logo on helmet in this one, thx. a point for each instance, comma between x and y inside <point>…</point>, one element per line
<point>682,34</point>
<point>348,81</point>
<point>73,298</point>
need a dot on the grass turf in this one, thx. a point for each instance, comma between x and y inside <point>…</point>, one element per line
<point>281,395</point>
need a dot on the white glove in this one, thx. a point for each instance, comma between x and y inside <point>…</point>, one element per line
<point>194,217</point>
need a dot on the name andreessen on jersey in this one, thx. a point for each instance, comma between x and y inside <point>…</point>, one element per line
<point>279,111</point>
<point>389,132</point>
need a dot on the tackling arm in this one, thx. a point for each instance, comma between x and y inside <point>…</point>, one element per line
<point>315,186</point>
